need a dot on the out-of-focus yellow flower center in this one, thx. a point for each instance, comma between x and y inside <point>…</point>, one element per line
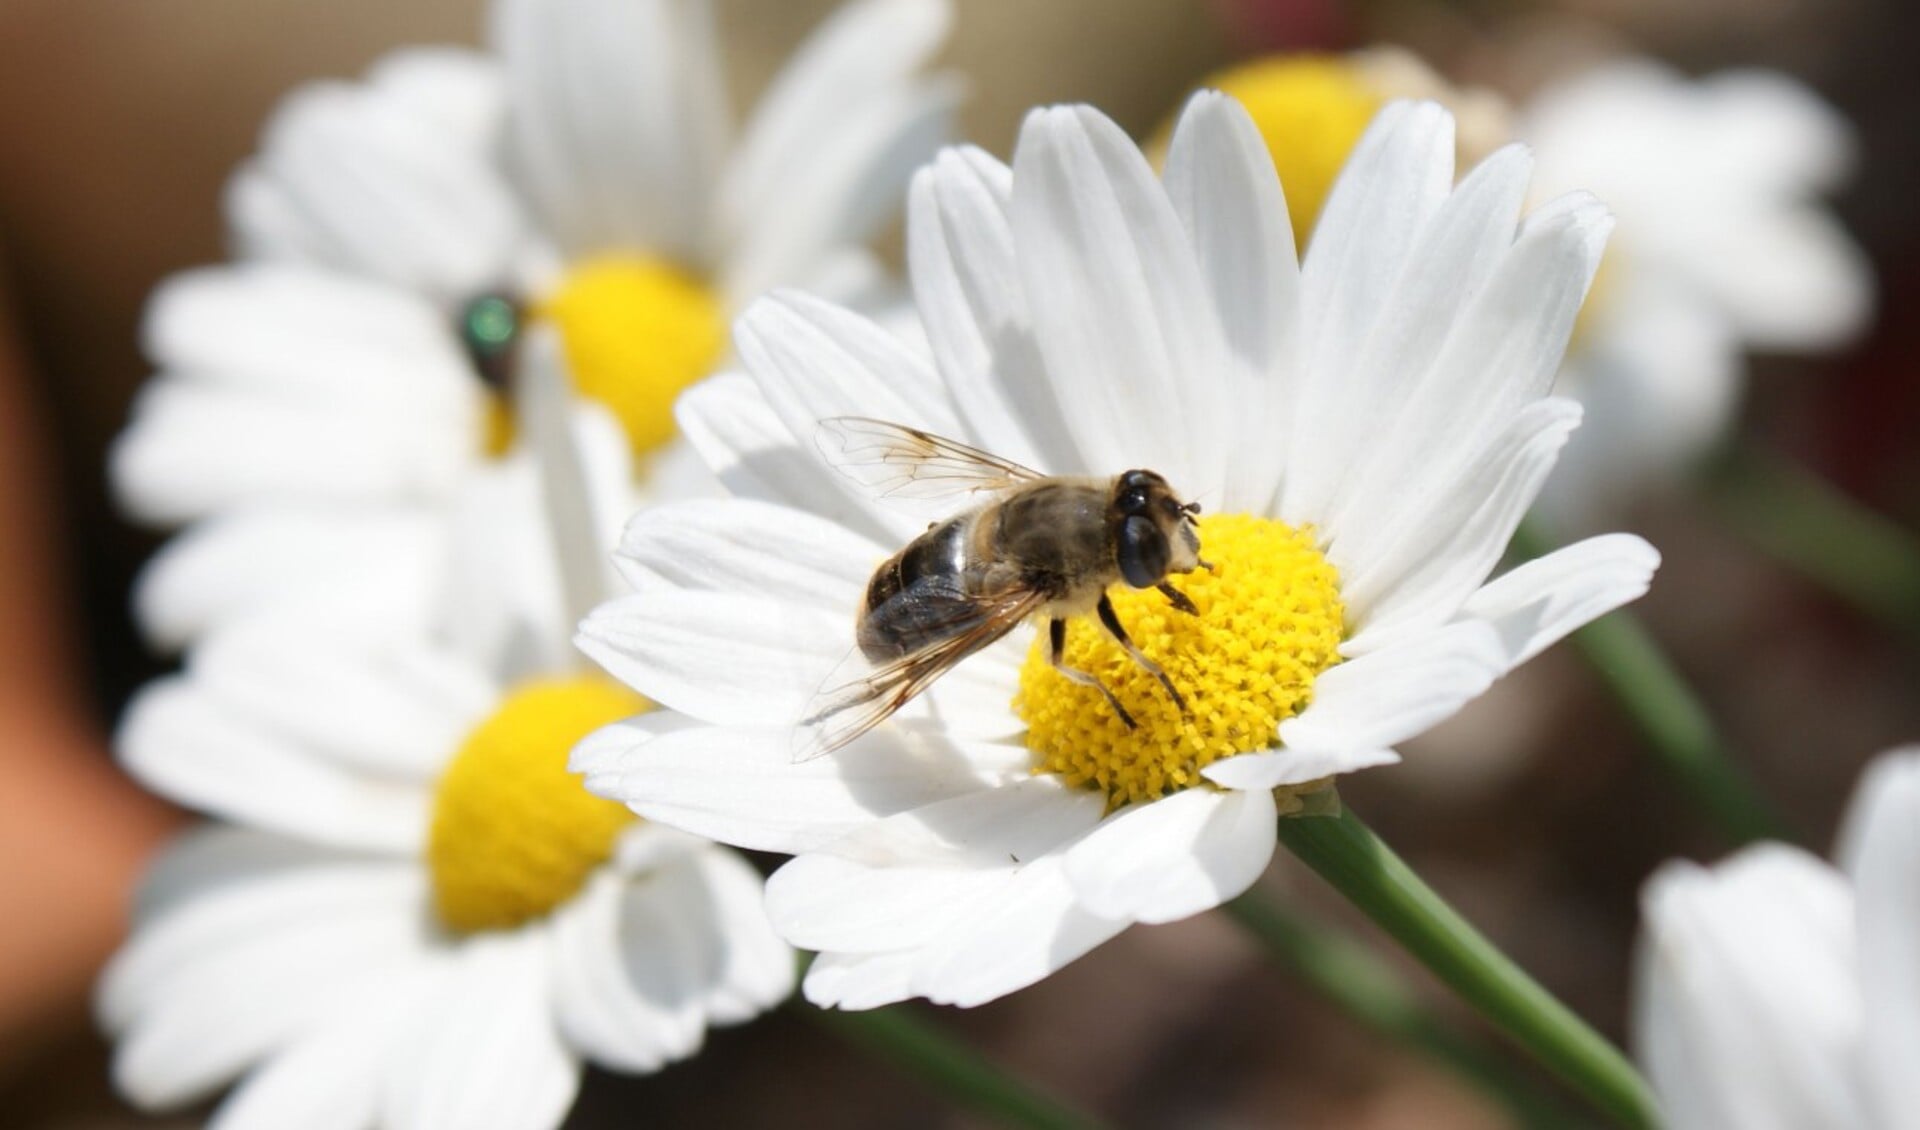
<point>514,834</point>
<point>1311,110</point>
<point>1270,621</point>
<point>636,331</point>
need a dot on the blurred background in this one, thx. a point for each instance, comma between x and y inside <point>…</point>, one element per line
<point>1535,813</point>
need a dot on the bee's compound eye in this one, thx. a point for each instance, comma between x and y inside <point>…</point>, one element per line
<point>1133,502</point>
<point>1143,553</point>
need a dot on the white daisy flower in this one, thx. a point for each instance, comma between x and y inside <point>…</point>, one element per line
<point>1369,426</point>
<point>318,402</point>
<point>1725,246</point>
<point>1776,991</point>
<point>412,915</point>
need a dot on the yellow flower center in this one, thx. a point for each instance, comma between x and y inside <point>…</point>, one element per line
<point>514,834</point>
<point>1311,111</point>
<point>1270,621</point>
<point>636,331</point>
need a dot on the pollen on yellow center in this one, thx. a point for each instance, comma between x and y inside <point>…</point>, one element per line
<point>1270,621</point>
<point>636,331</point>
<point>1311,111</point>
<point>514,834</point>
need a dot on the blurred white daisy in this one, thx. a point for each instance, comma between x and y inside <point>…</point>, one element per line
<point>411,914</point>
<point>317,402</point>
<point>1368,426</point>
<point>1776,991</point>
<point>1725,246</point>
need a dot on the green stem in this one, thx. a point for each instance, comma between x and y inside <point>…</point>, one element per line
<point>1805,522</point>
<point>1368,990</point>
<point>1347,854</point>
<point>1672,720</point>
<point>922,1050</point>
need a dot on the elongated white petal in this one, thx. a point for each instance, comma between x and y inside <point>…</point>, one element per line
<point>757,967</point>
<point>966,284</point>
<point>1747,1003</point>
<point>748,448</point>
<point>618,120</point>
<point>904,881</point>
<point>1880,849</point>
<point>1118,305</point>
<point>1536,604</point>
<point>190,749</point>
<point>1222,183</point>
<point>1272,768</point>
<point>862,56</point>
<point>859,981</point>
<point>369,178</point>
<point>1174,857</point>
<point>741,786</point>
<point>1396,178</point>
<point>627,974</point>
<point>359,565</point>
<point>1381,699</point>
<point>740,545</point>
<point>726,658</point>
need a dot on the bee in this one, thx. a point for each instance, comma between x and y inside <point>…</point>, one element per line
<point>1039,546</point>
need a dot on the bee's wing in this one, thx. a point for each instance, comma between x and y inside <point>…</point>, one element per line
<point>895,461</point>
<point>858,696</point>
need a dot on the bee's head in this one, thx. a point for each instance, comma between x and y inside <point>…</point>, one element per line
<point>1153,531</point>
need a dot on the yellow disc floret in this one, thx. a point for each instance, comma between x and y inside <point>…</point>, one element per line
<point>1311,111</point>
<point>636,331</point>
<point>514,834</point>
<point>1270,621</point>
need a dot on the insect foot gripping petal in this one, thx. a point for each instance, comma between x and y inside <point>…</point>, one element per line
<point>1197,688</point>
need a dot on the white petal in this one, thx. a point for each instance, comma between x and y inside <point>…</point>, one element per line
<point>1790,277</point>
<point>376,700</point>
<point>1174,857</point>
<point>282,967</point>
<point>1032,928</point>
<point>739,545</point>
<point>966,283</point>
<point>1535,604</point>
<point>1415,574</point>
<point>1395,180</point>
<point>1221,180</point>
<point>368,179</point>
<point>907,880</point>
<point>1119,308</point>
<point>1270,769</point>
<point>728,658</point>
<point>857,981</point>
<point>862,57</point>
<point>758,969</point>
<point>1880,849</point>
<point>1747,1003</point>
<point>358,565</point>
<point>1383,698</point>
<point>618,120</point>
<point>627,973</point>
<point>486,1056</point>
<point>186,746</point>
<point>742,786</point>
<point>849,184</point>
<point>749,449</point>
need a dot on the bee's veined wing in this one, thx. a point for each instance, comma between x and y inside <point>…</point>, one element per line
<point>858,695</point>
<point>895,461</point>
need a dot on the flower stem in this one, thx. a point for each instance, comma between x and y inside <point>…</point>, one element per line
<point>1672,720</point>
<point>1369,991</point>
<point>1346,853</point>
<point>922,1050</point>
<point>1814,528</point>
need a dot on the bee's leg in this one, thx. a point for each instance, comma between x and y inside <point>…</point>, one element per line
<point>1177,598</point>
<point>1111,619</point>
<point>1057,636</point>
